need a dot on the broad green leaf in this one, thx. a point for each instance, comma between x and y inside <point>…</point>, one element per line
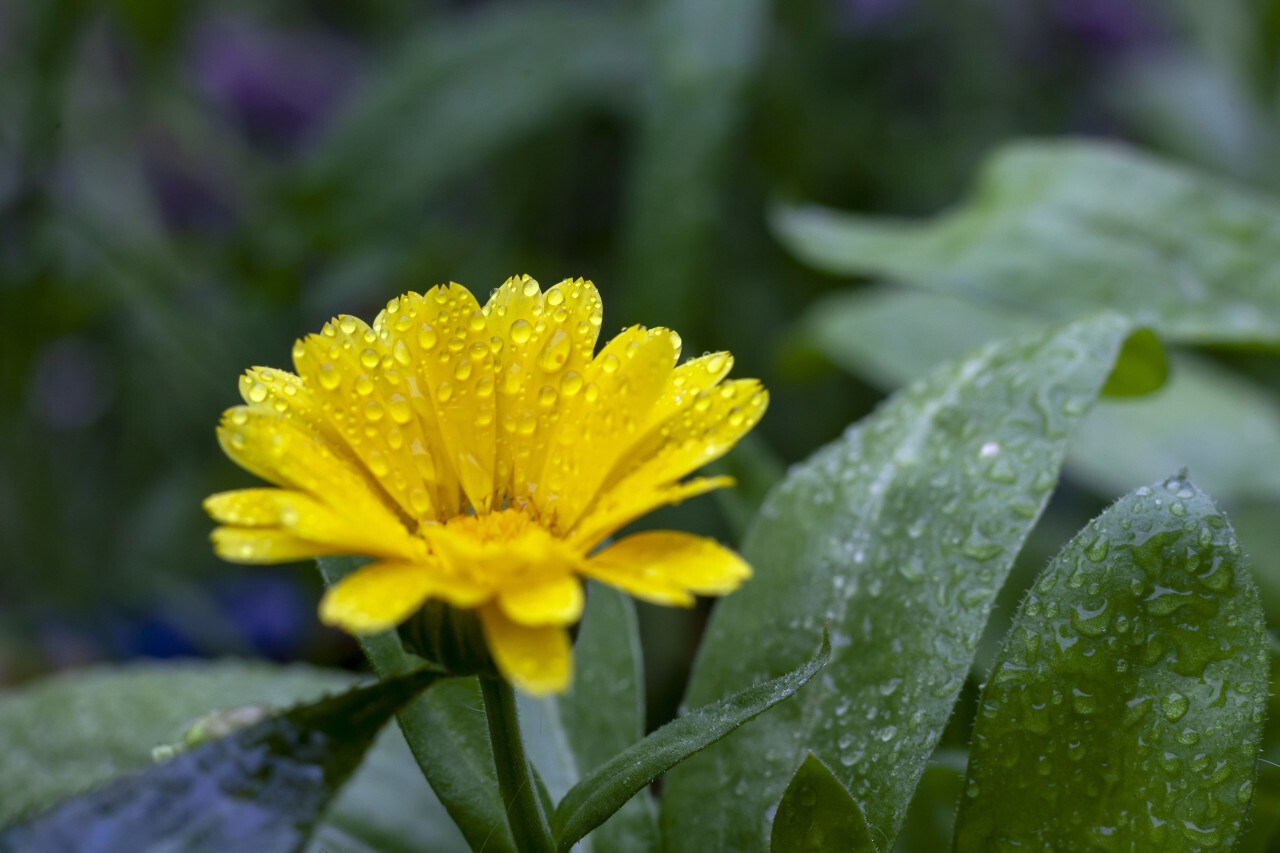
<point>899,535</point>
<point>599,795</point>
<point>1125,708</point>
<point>817,814</point>
<point>68,733</point>
<point>1062,229</point>
<point>263,787</point>
<point>892,336</point>
<point>448,735</point>
<point>600,716</point>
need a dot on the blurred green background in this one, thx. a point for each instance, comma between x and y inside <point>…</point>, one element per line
<point>186,187</point>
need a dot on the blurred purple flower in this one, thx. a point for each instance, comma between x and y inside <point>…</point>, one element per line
<point>278,86</point>
<point>1108,26</point>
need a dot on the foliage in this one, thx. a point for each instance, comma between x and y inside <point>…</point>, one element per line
<point>184,186</point>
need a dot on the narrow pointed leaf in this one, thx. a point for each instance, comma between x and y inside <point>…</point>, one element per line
<point>818,814</point>
<point>1063,229</point>
<point>591,801</point>
<point>900,534</point>
<point>1125,708</point>
<point>262,788</point>
<point>600,716</point>
<point>447,734</point>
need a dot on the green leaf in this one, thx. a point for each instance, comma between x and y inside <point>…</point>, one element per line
<point>449,738</point>
<point>817,814</point>
<point>68,733</point>
<point>1125,708</point>
<point>892,335</point>
<point>600,716</point>
<point>1062,229</point>
<point>900,534</point>
<point>263,787</point>
<point>599,795</point>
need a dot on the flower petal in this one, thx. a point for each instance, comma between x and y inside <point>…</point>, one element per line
<point>309,519</point>
<point>554,602</point>
<point>366,387</point>
<point>621,386</point>
<point>548,342</point>
<point>265,545</point>
<point>538,660</point>
<point>376,597</point>
<point>446,339</point>
<point>618,508</point>
<point>664,567</point>
<point>702,430</point>
<point>285,452</point>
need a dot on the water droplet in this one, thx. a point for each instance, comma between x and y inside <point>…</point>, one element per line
<point>373,411</point>
<point>257,392</point>
<point>555,297</point>
<point>462,370</point>
<point>348,325</point>
<point>1174,706</point>
<point>330,378</point>
<point>399,408</point>
<point>369,358</point>
<point>1098,549</point>
<point>530,287</point>
<point>401,353</point>
<point>427,338</point>
<point>444,392</point>
<point>547,397</point>
<point>521,331</point>
<point>610,363</point>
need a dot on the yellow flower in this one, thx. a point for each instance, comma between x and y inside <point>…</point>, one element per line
<point>480,456</point>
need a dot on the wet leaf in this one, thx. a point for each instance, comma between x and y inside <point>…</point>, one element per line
<point>817,814</point>
<point>900,534</point>
<point>263,787</point>
<point>892,336</point>
<point>1063,229</point>
<point>601,793</point>
<point>1125,708</point>
<point>65,734</point>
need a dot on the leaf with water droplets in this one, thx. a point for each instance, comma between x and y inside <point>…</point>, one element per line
<point>818,815</point>
<point>900,534</point>
<point>1047,231</point>
<point>1125,707</point>
<point>590,802</point>
<point>263,787</point>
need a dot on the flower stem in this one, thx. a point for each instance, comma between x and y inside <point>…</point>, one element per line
<point>515,777</point>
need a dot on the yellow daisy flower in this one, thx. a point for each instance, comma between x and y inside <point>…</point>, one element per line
<point>480,456</point>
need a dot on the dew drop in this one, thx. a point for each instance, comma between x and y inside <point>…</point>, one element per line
<point>571,383</point>
<point>427,338</point>
<point>610,363</point>
<point>445,392</point>
<point>521,331</point>
<point>1174,706</point>
<point>369,358</point>
<point>547,397</point>
<point>330,378</point>
<point>462,370</point>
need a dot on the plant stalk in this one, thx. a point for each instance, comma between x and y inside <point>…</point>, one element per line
<point>529,825</point>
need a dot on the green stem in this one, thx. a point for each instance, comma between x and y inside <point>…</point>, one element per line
<point>515,777</point>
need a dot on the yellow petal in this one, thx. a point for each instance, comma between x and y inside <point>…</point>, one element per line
<point>266,545</point>
<point>622,385</point>
<point>367,388</point>
<point>618,508</point>
<point>664,567</point>
<point>283,451</point>
<point>377,597</point>
<point>548,342</point>
<point>309,519</point>
<point>553,602</point>
<point>538,660</point>
<point>444,335</point>
<point>705,427</point>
